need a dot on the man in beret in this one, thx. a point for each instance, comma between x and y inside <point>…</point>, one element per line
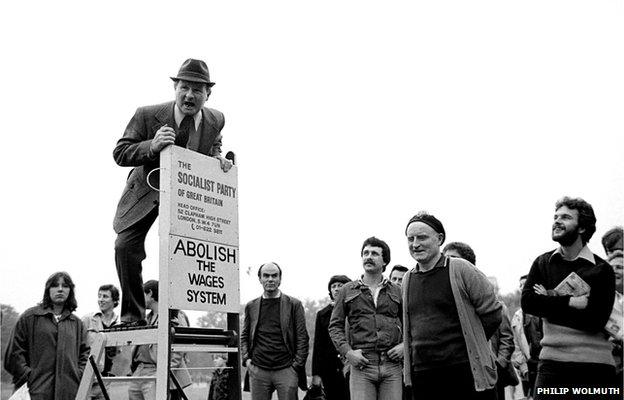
<point>372,345</point>
<point>450,311</point>
<point>327,367</point>
<point>184,122</point>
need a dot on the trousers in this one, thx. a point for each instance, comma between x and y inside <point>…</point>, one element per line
<point>448,382</point>
<point>567,375</point>
<point>129,253</point>
<point>381,379</point>
<point>143,389</point>
<point>264,382</point>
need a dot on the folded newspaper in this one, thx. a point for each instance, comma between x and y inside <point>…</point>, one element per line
<point>572,285</point>
<point>616,320</point>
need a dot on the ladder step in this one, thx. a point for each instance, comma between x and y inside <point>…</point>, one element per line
<point>128,328</point>
<point>127,378</point>
<point>130,337</point>
<point>203,348</point>
<point>193,335</point>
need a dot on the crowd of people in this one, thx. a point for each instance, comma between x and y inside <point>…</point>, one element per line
<point>436,330</point>
<point>440,330</point>
<point>381,337</point>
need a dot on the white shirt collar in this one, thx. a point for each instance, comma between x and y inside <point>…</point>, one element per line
<point>179,116</point>
<point>101,315</point>
<point>584,253</point>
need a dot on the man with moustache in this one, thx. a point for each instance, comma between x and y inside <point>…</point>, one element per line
<point>274,340</point>
<point>450,311</point>
<point>184,122</point>
<point>372,307</point>
<point>575,350</point>
<point>327,367</point>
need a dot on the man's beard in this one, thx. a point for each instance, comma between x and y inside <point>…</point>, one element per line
<point>568,238</point>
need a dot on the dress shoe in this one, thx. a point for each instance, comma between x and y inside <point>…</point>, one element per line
<point>129,325</point>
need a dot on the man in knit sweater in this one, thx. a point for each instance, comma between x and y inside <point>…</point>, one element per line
<point>575,350</point>
<point>450,311</point>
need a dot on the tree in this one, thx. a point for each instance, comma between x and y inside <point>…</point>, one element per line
<point>213,319</point>
<point>8,319</point>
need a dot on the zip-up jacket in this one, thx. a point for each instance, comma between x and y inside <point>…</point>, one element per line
<point>371,328</point>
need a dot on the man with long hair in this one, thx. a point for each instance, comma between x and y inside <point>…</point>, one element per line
<point>48,348</point>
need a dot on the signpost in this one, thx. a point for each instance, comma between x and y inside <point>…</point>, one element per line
<point>199,255</point>
<point>198,268</point>
<point>199,231</point>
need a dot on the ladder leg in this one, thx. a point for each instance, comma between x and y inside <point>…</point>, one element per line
<point>177,385</point>
<point>98,376</point>
<point>97,349</point>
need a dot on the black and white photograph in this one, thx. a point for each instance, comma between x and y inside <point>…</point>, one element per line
<point>338,200</point>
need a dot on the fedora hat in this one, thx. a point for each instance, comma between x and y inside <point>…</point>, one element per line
<point>194,71</point>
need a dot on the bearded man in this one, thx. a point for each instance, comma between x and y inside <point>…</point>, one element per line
<point>575,350</point>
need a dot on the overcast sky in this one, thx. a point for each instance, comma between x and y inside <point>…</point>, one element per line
<point>347,118</point>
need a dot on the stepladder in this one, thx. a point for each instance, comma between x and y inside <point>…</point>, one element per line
<point>184,340</point>
<point>198,271</point>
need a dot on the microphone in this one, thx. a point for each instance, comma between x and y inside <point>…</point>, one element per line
<point>231,156</point>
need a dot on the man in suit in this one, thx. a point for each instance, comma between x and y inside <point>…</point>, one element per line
<point>184,122</point>
<point>274,340</point>
<point>327,367</point>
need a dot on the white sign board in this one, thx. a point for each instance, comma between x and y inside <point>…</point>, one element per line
<point>199,231</point>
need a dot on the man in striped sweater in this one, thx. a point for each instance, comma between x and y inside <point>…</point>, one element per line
<point>575,350</point>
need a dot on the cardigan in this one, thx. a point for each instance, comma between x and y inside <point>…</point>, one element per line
<point>479,314</point>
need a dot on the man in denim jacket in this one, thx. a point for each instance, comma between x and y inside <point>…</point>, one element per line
<point>373,348</point>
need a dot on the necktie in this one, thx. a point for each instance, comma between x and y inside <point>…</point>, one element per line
<point>184,131</point>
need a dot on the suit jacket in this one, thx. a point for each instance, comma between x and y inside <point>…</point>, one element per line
<point>294,332</point>
<point>132,150</point>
